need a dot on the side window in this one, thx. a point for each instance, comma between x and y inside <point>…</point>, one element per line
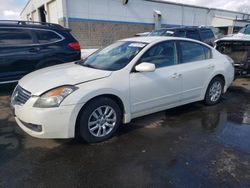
<point>180,33</point>
<point>193,34</point>
<point>12,37</point>
<point>162,54</point>
<point>206,34</point>
<point>191,52</point>
<point>208,53</point>
<point>46,36</point>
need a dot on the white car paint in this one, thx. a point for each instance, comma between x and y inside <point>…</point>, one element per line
<point>141,93</point>
<point>235,37</point>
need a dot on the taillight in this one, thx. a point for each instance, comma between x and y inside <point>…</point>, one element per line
<point>75,46</point>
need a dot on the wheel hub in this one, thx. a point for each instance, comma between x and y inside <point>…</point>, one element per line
<point>102,121</point>
<point>215,91</point>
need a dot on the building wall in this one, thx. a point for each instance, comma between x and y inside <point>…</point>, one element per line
<point>98,34</point>
<point>52,16</point>
<point>96,23</point>
<point>136,11</point>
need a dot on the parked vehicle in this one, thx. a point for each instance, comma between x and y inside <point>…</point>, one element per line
<point>237,46</point>
<point>128,79</point>
<point>142,34</point>
<point>28,46</point>
<point>203,34</point>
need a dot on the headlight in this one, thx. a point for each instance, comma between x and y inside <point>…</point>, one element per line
<point>54,97</point>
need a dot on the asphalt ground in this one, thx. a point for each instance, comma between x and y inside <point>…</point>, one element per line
<point>189,146</point>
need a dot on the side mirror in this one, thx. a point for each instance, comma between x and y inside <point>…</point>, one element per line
<point>145,67</point>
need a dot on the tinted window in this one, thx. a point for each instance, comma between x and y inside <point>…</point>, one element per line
<point>245,30</point>
<point>47,36</point>
<point>15,37</point>
<point>208,53</point>
<point>194,52</point>
<point>193,34</point>
<point>162,54</point>
<point>180,33</point>
<point>206,34</point>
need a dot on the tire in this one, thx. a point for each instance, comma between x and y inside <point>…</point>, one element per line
<point>214,91</point>
<point>91,121</point>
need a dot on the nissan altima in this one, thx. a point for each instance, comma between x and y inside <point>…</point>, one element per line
<point>127,79</point>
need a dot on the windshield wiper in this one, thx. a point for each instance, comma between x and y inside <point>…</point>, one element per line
<point>85,65</point>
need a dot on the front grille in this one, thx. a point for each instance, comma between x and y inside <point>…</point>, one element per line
<point>20,96</point>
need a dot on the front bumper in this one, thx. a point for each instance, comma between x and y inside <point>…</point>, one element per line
<point>51,122</point>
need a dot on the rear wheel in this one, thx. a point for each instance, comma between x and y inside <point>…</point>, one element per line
<point>214,91</point>
<point>99,120</point>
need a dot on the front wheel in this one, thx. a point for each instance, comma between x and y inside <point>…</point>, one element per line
<point>99,120</point>
<point>214,91</point>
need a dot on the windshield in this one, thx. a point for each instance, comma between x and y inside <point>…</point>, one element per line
<point>114,57</point>
<point>157,33</point>
<point>169,33</point>
<point>245,30</point>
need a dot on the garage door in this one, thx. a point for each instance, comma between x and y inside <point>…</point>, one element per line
<point>52,11</point>
<point>34,16</point>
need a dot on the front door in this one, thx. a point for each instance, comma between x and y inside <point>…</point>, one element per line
<point>153,90</point>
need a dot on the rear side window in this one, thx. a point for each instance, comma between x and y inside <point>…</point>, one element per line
<point>191,52</point>
<point>47,36</point>
<point>12,37</point>
<point>193,34</point>
<point>206,34</point>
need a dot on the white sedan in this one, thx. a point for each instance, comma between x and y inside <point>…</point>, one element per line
<point>130,78</point>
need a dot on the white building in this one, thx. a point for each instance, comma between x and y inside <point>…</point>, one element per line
<point>98,22</point>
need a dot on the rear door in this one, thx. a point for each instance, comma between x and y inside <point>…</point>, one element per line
<point>196,67</point>
<point>17,51</point>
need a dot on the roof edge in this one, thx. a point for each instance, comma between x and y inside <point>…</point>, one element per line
<point>25,7</point>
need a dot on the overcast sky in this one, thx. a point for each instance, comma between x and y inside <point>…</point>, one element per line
<point>10,9</point>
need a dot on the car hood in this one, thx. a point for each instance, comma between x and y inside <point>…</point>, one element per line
<point>45,79</point>
<point>235,37</point>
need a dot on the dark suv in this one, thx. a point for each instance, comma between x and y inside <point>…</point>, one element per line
<point>28,46</point>
<point>203,34</point>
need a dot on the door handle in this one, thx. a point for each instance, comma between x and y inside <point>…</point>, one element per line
<point>176,75</point>
<point>211,66</point>
<point>35,49</point>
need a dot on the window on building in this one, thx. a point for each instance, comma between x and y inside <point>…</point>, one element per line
<point>15,37</point>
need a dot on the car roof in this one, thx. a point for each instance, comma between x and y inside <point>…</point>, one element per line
<point>146,39</point>
<point>183,28</point>
<point>30,24</point>
<point>153,39</point>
